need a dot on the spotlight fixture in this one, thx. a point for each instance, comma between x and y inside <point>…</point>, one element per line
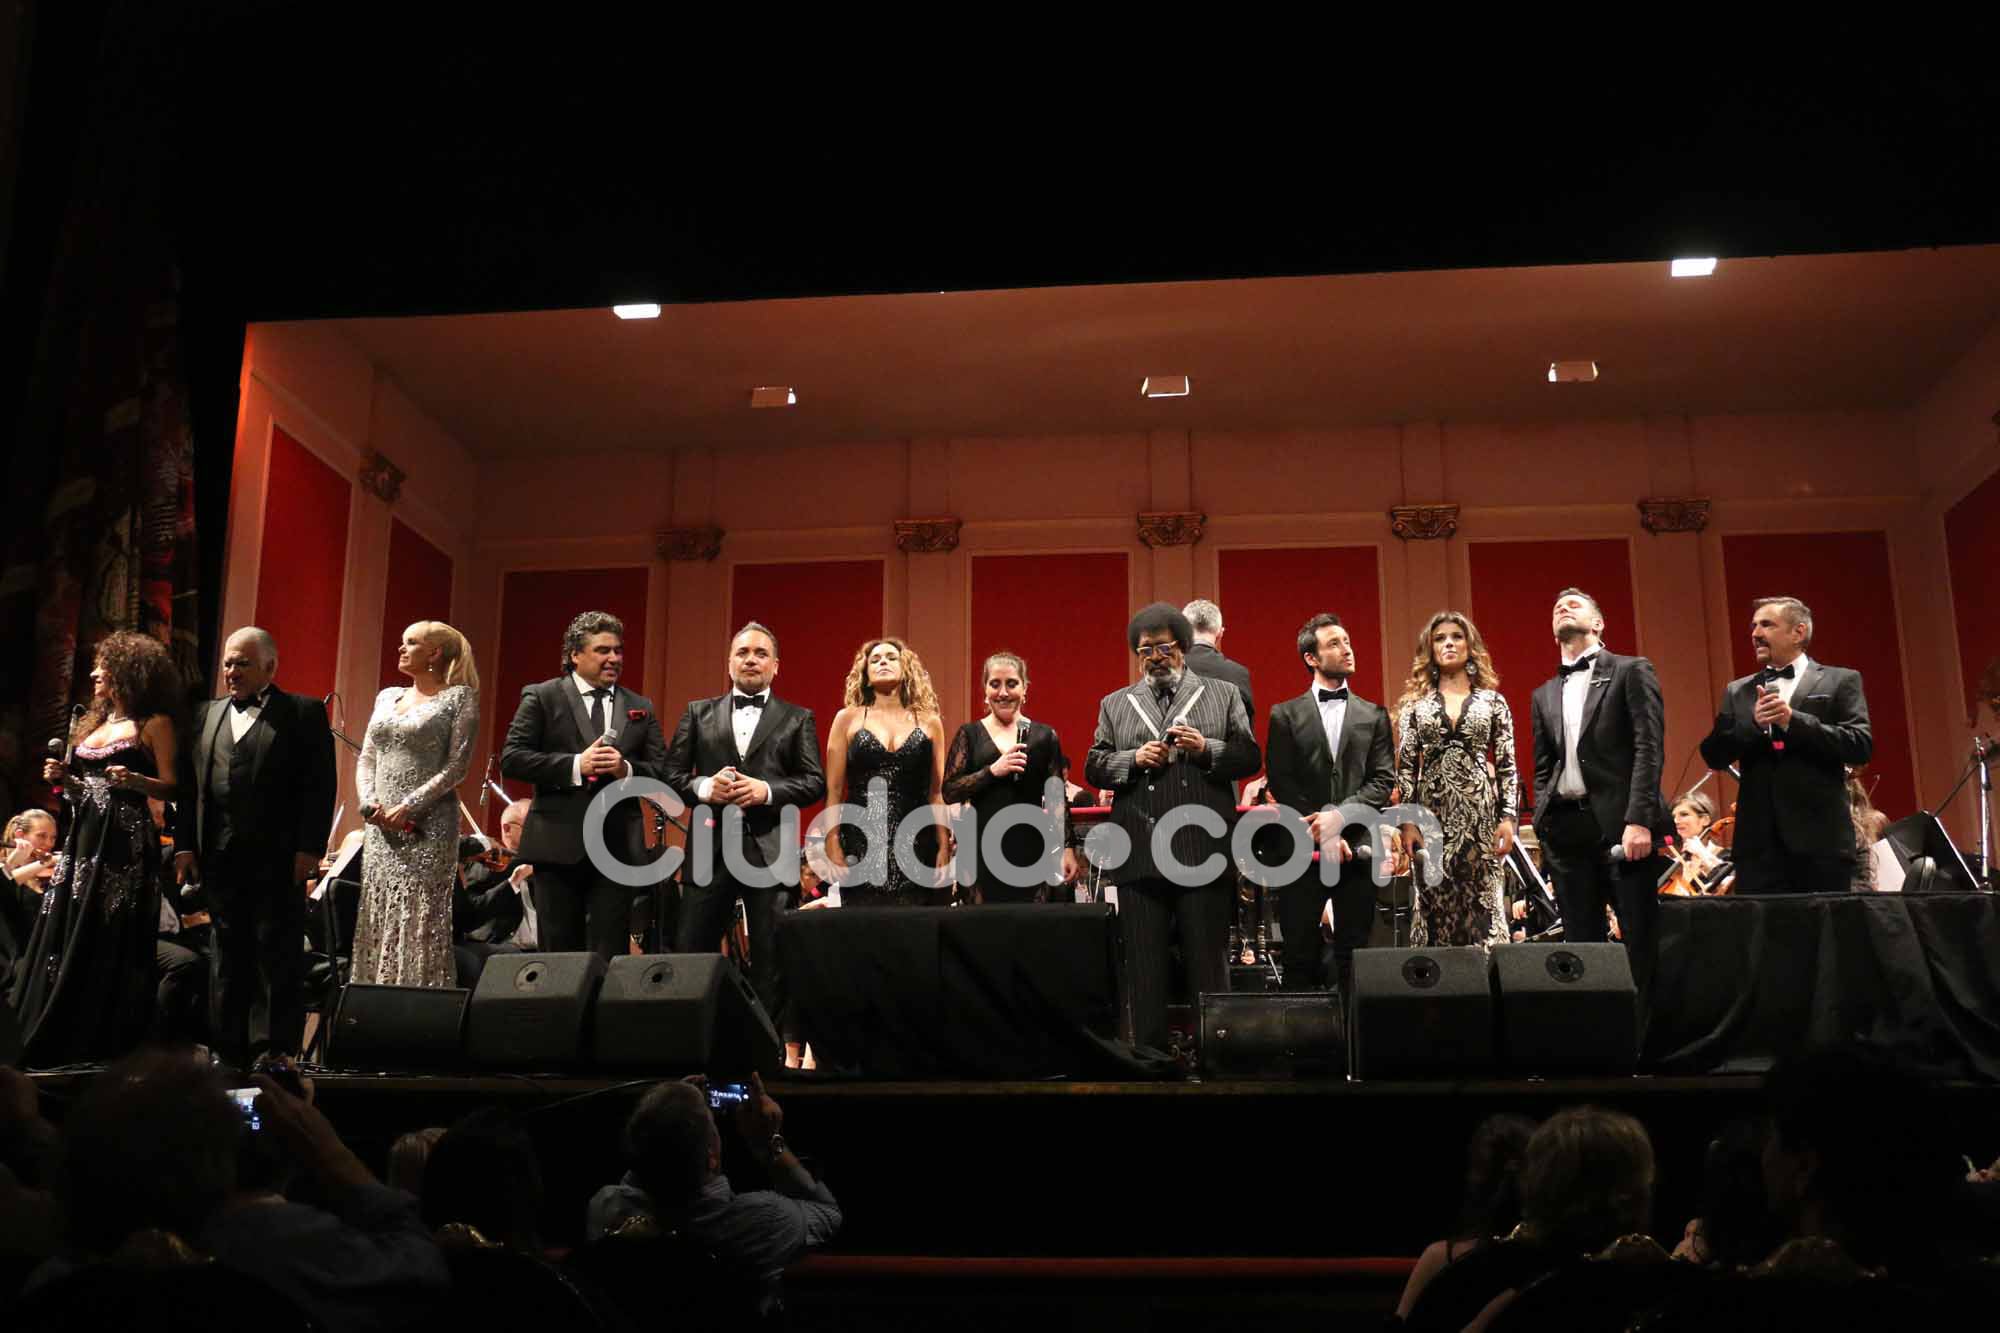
<point>639,310</point>
<point>1166,386</point>
<point>774,395</point>
<point>1691,268</point>
<point>1572,372</point>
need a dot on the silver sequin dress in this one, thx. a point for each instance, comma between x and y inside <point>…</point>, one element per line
<point>403,935</point>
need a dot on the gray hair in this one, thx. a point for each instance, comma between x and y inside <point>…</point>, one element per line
<point>1203,616</point>
<point>582,628</point>
<point>758,627</point>
<point>266,645</point>
<point>1796,611</point>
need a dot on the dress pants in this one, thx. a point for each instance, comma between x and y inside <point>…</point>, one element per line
<point>257,979</point>
<point>180,1014</point>
<point>706,913</point>
<point>1299,907</point>
<point>579,909</point>
<point>1147,908</point>
<point>1573,853</point>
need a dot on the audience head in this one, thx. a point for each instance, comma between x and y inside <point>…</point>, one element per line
<point>249,662</point>
<point>407,1158</point>
<point>594,648</point>
<point>133,676</point>
<point>753,658</point>
<point>151,1145</point>
<point>1204,620</point>
<point>1586,1179</point>
<point>888,665</point>
<point>1694,813</point>
<point>672,1143</point>
<point>484,1173</point>
<point>1004,677</point>
<point>433,650</point>
<point>1492,1202</point>
<point>1737,1228</point>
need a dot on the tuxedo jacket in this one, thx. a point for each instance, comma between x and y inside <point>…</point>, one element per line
<point>783,751</point>
<point>1129,718</point>
<point>1206,660</point>
<point>1620,745</point>
<point>289,807</point>
<point>489,912</point>
<point>550,729</point>
<point>1302,772</point>
<point>1795,799</point>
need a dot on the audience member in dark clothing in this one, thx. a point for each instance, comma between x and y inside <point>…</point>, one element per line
<point>1492,1204</point>
<point>484,1174</point>
<point>1735,1228</point>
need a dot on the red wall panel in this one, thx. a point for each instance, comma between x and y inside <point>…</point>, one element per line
<point>1514,587</point>
<point>1074,658</point>
<point>820,610</point>
<point>302,572</point>
<point>536,606</point>
<point>1972,538</point>
<point>1844,578</point>
<point>1266,595</point>
<point>419,589</point>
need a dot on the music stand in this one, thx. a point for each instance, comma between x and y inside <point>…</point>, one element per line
<point>1920,838</point>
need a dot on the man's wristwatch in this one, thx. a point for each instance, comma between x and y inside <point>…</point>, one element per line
<point>777,1146</point>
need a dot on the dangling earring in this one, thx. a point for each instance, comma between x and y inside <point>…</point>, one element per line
<point>1436,675</point>
<point>1472,669</point>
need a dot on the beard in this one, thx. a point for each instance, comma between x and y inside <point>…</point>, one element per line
<point>1168,676</point>
<point>1571,632</point>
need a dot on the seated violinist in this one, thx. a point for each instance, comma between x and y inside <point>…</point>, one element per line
<point>1705,866</point>
<point>499,913</point>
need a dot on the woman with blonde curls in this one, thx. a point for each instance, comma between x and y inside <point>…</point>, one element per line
<point>1456,757</point>
<point>416,752</point>
<point>890,733</point>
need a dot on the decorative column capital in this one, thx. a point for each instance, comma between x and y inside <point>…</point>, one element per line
<point>927,536</point>
<point>380,478</point>
<point>1423,523</point>
<point>1685,513</point>
<point>1172,528</point>
<point>688,543</point>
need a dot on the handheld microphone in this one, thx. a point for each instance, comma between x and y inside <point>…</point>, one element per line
<point>369,811</point>
<point>1021,725</point>
<point>1764,679</point>
<point>55,752</point>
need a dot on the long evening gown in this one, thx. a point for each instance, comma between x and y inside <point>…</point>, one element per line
<point>403,934</point>
<point>968,778</point>
<point>84,986</point>
<point>1463,773</point>
<point>907,770</point>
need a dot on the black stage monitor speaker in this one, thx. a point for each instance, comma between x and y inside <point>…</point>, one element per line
<point>1567,1009</point>
<point>1422,1013</point>
<point>687,1013</point>
<point>532,1010</point>
<point>414,1028</point>
<point>1291,1034</point>
<point>1926,853</point>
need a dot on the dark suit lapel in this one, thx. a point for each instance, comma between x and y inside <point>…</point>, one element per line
<point>1352,752</point>
<point>578,713</point>
<point>718,730</point>
<point>264,730</point>
<point>1600,685</point>
<point>1149,705</point>
<point>204,750</point>
<point>1809,677</point>
<point>774,711</point>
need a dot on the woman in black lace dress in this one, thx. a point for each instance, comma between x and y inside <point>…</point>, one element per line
<point>84,987</point>
<point>889,732</point>
<point>1003,760</point>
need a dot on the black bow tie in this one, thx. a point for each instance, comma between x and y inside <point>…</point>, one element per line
<point>1581,664</point>
<point>1781,673</point>
<point>746,701</point>
<point>1340,694</point>
<point>245,705</point>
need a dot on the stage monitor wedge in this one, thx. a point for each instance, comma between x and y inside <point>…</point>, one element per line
<point>414,1029</point>
<point>1287,1034</point>
<point>1567,1009</point>
<point>1423,1013</point>
<point>531,1011</point>
<point>684,1013</point>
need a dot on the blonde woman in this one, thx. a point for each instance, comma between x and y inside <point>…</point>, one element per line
<point>889,730</point>
<point>416,752</point>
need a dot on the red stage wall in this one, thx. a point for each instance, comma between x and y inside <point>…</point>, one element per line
<point>302,576</point>
<point>821,610</point>
<point>1514,587</point>
<point>419,588</point>
<point>1973,540</point>
<point>1844,578</point>
<point>1075,656</point>
<point>1265,595</point>
<point>536,606</point>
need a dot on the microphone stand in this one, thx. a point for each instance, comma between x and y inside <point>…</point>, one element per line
<point>1984,752</point>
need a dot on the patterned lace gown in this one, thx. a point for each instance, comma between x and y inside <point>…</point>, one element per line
<point>1463,774</point>
<point>403,935</point>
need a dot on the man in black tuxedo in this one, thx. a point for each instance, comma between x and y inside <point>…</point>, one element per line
<point>1327,747</point>
<point>249,828</point>
<point>1794,728</point>
<point>1600,731</point>
<point>571,736</point>
<point>1204,656</point>
<point>747,754</point>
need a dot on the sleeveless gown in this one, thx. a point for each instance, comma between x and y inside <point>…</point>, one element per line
<point>907,772</point>
<point>85,985</point>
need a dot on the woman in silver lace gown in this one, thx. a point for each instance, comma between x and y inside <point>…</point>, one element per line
<point>416,752</point>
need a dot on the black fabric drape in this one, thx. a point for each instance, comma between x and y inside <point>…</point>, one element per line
<point>1744,981</point>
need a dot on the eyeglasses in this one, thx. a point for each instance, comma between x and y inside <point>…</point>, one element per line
<point>1167,649</point>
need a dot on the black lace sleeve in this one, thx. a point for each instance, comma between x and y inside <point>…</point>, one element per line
<point>961,779</point>
<point>1059,769</point>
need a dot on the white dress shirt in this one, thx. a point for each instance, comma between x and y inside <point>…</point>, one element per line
<point>743,721</point>
<point>1332,715</point>
<point>583,689</point>
<point>1783,686</point>
<point>242,719</point>
<point>1575,688</point>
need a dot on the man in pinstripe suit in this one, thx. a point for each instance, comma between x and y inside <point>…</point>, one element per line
<point>1169,747</point>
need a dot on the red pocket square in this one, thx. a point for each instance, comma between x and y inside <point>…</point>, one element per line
<point>635,715</point>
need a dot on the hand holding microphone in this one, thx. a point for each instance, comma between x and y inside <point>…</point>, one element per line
<point>396,818</point>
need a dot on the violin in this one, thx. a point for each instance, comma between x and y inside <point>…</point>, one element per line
<point>1700,871</point>
<point>496,858</point>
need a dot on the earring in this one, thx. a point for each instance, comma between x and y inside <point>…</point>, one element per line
<point>1472,670</point>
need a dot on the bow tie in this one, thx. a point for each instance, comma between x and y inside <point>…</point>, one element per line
<point>746,701</point>
<point>1781,673</point>
<point>1581,664</point>
<point>1340,694</point>
<point>245,705</point>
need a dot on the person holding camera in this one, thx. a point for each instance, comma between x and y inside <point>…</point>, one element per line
<point>673,1149</point>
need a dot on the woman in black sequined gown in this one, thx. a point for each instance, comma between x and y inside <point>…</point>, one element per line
<point>890,730</point>
<point>85,985</point>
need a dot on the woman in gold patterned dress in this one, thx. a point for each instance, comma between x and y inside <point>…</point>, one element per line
<point>416,752</point>
<point>1455,756</point>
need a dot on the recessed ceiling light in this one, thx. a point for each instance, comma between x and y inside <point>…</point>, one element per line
<point>641,310</point>
<point>774,395</point>
<point>1572,372</point>
<point>1691,268</point>
<point>1165,386</point>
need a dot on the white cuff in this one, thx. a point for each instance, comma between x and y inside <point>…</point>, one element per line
<point>576,771</point>
<point>703,788</point>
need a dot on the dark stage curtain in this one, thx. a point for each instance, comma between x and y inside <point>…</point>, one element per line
<point>1743,981</point>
